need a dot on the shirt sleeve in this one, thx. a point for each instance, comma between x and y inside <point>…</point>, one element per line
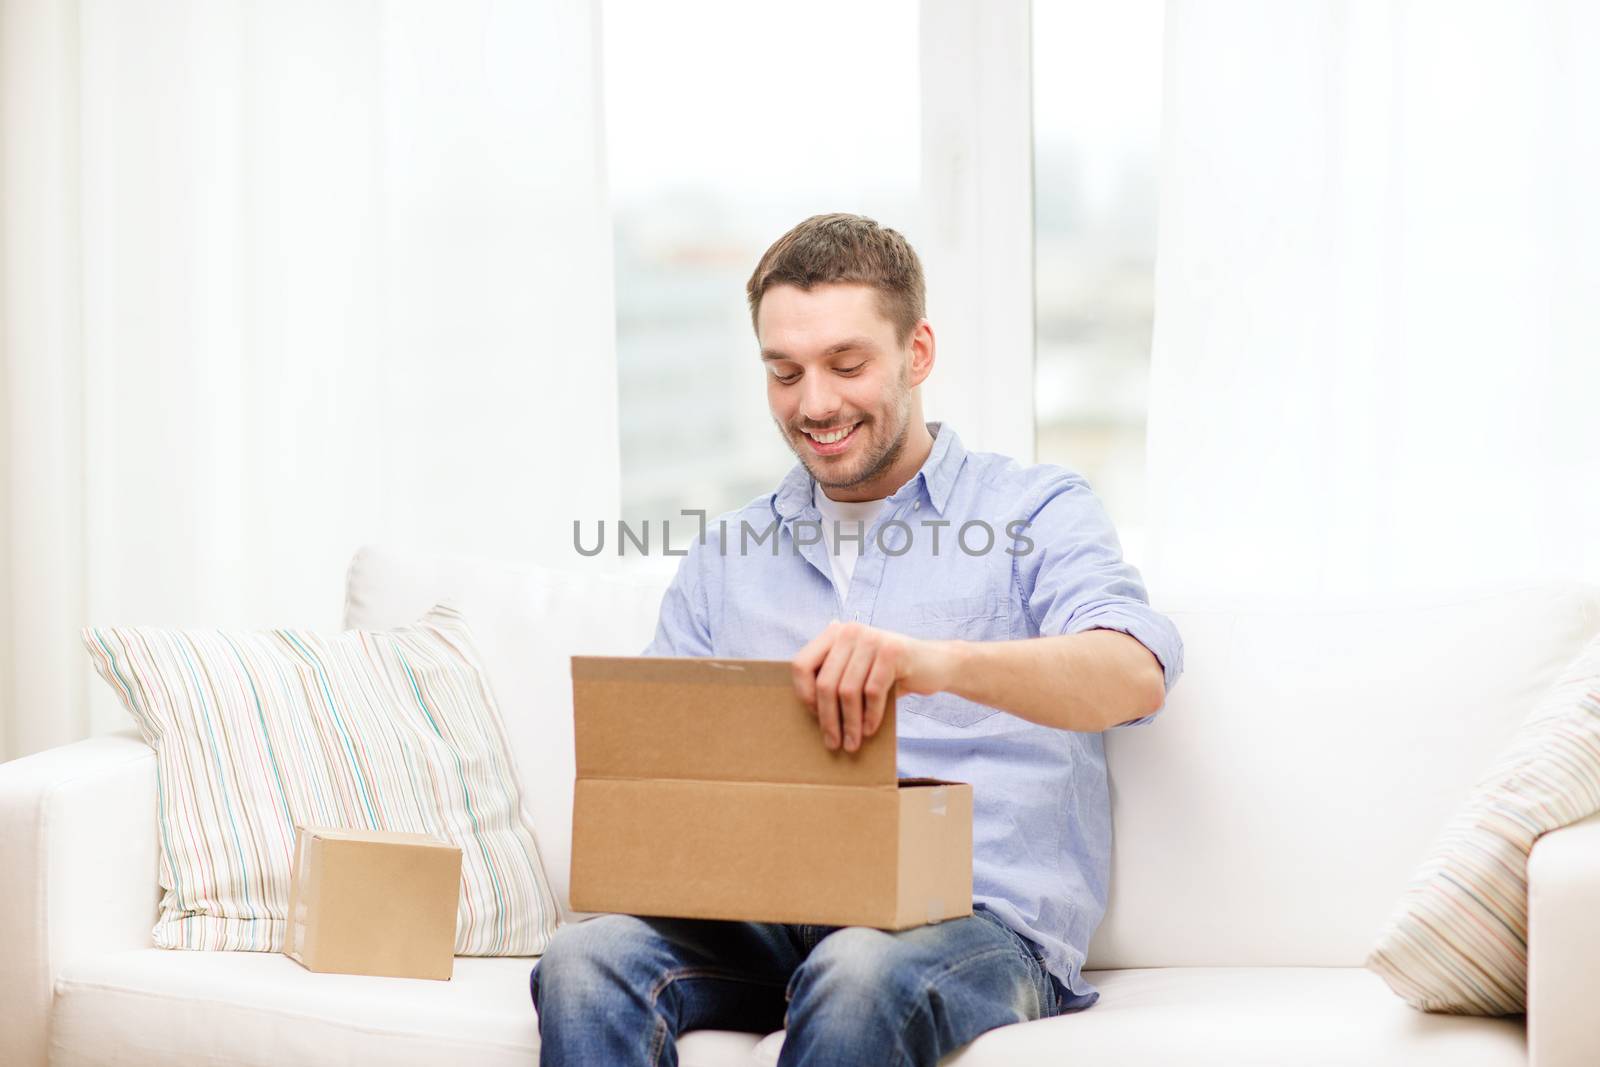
<point>1073,577</point>
<point>683,627</point>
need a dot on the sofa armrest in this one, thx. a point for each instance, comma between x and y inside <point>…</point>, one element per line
<point>1563,945</point>
<point>77,872</point>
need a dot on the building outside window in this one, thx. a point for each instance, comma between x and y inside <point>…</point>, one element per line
<point>723,131</point>
<point>726,129</point>
<point>1097,134</point>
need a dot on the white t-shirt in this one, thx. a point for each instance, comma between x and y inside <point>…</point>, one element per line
<point>843,552</point>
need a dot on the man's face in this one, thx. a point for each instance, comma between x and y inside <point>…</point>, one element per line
<point>833,366</point>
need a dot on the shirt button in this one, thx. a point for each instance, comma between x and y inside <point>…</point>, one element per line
<point>916,505</point>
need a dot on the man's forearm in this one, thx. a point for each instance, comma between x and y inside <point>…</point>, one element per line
<point>1087,681</point>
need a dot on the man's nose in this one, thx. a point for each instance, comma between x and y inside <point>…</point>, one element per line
<point>819,403</point>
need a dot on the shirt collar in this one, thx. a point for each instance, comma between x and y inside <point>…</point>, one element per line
<point>936,478</point>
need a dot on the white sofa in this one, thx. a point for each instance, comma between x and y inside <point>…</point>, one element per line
<point>1265,825</point>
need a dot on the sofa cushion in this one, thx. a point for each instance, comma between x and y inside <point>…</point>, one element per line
<point>257,732</point>
<point>1307,762</point>
<point>529,621</point>
<point>1458,940</point>
<point>1231,1017</point>
<point>245,1009</point>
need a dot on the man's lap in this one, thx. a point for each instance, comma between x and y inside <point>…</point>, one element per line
<point>720,974</point>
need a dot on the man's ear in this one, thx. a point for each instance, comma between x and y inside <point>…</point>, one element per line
<point>922,351</point>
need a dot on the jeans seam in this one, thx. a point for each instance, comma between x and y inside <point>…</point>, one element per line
<point>1037,968</point>
<point>932,980</point>
<point>1034,968</point>
<point>1048,997</point>
<point>1025,949</point>
<point>658,1042</point>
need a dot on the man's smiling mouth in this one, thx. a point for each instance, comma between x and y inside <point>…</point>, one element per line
<point>831,435</point>
<point>831,441</point>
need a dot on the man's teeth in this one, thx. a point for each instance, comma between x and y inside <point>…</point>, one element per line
<point>830,438</point>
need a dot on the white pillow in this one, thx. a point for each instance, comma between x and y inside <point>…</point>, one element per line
<point>256,732</point>
<point>1458,941</point>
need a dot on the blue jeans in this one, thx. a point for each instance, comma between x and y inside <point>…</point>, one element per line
<point>618,989</point>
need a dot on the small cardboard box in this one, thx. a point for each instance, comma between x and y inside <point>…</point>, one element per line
<point>704,791</point>
<point>372,902</point>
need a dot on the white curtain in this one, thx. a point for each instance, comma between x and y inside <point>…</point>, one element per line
<point>1377,350</point>
<point>277,280</point>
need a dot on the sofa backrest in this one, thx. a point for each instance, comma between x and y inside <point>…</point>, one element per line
<point>1306,761</point>
<point>1271,815</point>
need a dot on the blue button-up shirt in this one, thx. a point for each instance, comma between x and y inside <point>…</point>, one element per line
<point>759,585</point>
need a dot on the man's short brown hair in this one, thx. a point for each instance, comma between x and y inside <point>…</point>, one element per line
<point>840,247</point>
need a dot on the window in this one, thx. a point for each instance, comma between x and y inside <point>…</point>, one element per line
<point>1097,128</point>
<point>723,131</point>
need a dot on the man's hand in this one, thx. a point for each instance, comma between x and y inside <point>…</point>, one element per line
<point>843,676</point>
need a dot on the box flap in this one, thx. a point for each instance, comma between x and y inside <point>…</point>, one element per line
<point>711,720</point>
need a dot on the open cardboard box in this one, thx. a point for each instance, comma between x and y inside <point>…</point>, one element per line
<point>704,791</point>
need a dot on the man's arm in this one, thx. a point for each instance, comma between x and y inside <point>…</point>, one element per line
<point>1089,681</point>
<point>1102,657</point>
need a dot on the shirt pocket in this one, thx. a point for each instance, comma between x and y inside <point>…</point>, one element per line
<point>956,616</point>
<point>975,617</point>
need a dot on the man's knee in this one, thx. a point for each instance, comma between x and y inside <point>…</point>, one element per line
<point>860,968</point>
<point>583,958</point>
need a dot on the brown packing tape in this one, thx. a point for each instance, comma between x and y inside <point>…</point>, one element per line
<point>702,719</point>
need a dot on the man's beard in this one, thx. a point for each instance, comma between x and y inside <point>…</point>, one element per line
<point>874,465</point>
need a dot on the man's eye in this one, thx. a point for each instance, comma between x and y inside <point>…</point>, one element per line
<point>787,379</point>
<point>852,370</point>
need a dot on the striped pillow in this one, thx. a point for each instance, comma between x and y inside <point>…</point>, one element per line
<point>256,732</point>
<point>1458,942</point>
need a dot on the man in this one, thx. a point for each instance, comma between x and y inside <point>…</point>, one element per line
<point>993,595</point>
